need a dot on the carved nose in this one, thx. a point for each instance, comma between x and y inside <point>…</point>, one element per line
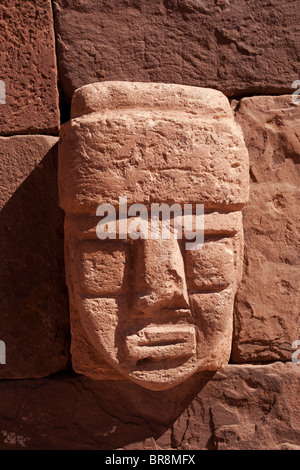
<point>160,282</point>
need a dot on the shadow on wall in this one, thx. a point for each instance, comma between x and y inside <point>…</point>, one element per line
<point>34,321</point>
<point>67,411</point>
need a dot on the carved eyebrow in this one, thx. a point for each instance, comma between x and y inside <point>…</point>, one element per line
<point>217,236</point>
<point>84,226</point>
<point>216,225</point>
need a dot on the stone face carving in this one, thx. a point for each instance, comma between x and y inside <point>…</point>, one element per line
<point>150,310</point>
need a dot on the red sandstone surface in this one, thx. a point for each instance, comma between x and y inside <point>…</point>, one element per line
<point>242,48</point>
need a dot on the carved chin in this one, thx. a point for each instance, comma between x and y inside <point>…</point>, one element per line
<point>160,372</point>
<point>158,357</point>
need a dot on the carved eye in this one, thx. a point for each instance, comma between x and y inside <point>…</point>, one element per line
<point>102,267</point>
<point>211,268</point>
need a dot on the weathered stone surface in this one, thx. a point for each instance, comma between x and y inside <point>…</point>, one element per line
<point>238,46</point>
<point>28,68</point>
<point>152,143</point>
<point>151,309</point>
<point>240,407</point>
<point>267,318</point>
<point>34,320</point>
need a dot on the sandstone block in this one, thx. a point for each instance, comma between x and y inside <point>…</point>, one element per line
<point>238,46</point>
<point>267,313</point>
<point>28,68</point>
<point>152,143</point>
<point>145,308</point>
<point>34,320</point>
<point>239,408</point>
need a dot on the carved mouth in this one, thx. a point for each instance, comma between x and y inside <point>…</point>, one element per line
<point>155,343</point>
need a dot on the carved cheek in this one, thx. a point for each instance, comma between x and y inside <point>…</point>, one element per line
<point>211,268</point>
<point>212,314</point>
<point>211,285</point>
<point>101,282</point>
<point>99,318</point>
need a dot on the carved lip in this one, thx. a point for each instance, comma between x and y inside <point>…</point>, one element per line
<point>155,343</point>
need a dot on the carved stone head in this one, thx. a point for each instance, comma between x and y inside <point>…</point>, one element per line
<point>149,310</point>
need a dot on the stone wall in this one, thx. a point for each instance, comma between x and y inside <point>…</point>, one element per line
<point>248,50</point>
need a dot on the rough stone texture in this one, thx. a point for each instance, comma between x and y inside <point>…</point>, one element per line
<point>150,322</point>
<point>267,318</point>
<point>150,309</point>
<point>28,68</point>
<point>240,407</point>
<point>238,46</point>
<point>34,320</point>
<point>153,143</point>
